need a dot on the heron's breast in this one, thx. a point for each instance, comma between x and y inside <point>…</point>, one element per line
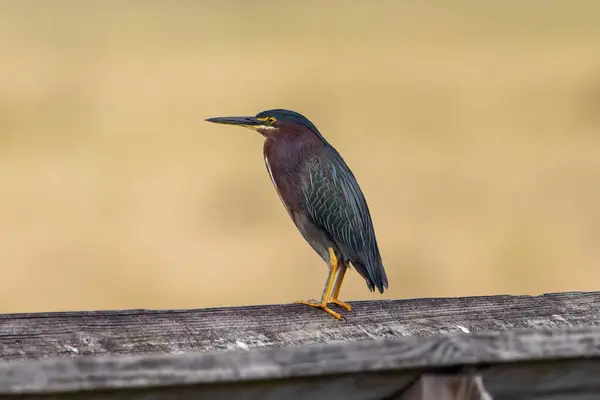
<point>275,184</point>
<point>284,171</point>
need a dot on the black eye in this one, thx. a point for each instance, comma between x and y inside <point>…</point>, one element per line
<point>271,120</point>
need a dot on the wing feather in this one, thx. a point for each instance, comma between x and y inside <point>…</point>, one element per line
<point>336,204</point>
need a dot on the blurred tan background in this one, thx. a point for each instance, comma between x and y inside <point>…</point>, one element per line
<point>473,128</point>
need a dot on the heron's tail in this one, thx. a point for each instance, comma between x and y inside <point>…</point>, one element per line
<point>374,275</point>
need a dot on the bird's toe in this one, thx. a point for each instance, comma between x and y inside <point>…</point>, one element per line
<point>311,302</point>
<point>342,304</point>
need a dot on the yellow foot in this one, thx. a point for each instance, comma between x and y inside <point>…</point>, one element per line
<point>341,304</point>
<point>322,306</point>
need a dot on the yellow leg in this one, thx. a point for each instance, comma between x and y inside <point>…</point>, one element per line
<point>336,289</point>
<point>333,266</point>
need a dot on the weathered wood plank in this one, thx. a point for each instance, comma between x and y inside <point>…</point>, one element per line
<point>73,334</point>
<point>576,379</point>
<point>346,387</point>
<point>447,387</point>
<point>383,365</point>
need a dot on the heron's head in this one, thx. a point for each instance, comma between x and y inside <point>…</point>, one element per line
<point>271,122</point>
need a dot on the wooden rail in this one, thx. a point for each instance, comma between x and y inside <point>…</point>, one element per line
<point>496,347</point>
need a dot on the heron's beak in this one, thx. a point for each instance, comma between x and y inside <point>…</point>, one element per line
<point>248,122</point>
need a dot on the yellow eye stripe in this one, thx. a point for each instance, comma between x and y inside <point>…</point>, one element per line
<point>269,120</point>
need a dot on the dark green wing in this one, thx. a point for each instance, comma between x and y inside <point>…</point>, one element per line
<point>336,205</point>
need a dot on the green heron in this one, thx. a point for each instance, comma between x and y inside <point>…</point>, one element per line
<point>322,197</point>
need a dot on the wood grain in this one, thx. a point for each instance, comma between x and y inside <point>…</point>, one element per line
<point>518,347</point>
<point>75,334</point>
<point>382,367</point>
